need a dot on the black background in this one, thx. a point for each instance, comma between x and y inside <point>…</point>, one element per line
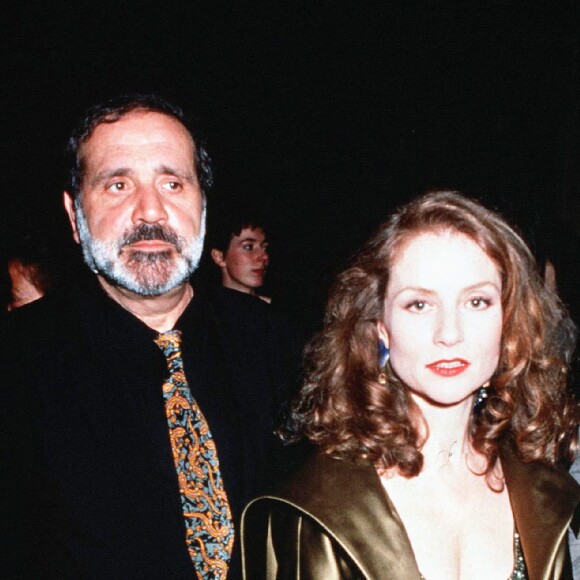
<point>324,114</point>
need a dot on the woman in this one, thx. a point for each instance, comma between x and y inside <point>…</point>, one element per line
<point>436,395</point>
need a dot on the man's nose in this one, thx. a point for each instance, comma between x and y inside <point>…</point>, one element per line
<point>449,329</point>
<point>263,257</point>
<point>149,206</point>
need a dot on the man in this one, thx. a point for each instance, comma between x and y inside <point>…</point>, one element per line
<point>240,250</point>
<point>133,432</point>
<point>29,269</point>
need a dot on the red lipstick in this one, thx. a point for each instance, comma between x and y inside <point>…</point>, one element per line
<point>448,368</point>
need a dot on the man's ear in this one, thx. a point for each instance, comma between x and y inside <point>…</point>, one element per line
<point>69,205</point>
<point>383,334</point>
<point>218,257</point>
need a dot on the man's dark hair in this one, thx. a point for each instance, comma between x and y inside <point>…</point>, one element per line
<point>115,109</point>
<point>225,226</point>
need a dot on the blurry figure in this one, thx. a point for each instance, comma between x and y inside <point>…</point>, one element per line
<point>28,271</point>
<point>239,248</point>
<point>550,275</point>
<point>557,251</point>
<point>26,283</point>
<point>573,531</point>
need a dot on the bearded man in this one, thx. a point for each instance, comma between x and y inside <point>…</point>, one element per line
<point>133,431</point>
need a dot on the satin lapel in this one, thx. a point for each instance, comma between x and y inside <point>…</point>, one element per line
<point>347,499</point>
<point>543,502</point>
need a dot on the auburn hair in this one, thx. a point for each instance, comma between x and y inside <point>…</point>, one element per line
<point>342,407</point>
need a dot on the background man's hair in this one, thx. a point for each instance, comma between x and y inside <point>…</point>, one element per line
<point>224,224</point>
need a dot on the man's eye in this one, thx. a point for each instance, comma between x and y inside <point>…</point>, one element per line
<point>248,247</point>
<point>118,186</point>
<point>172,185</point>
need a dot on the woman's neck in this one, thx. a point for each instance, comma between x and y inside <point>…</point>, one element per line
<point>448,446</point>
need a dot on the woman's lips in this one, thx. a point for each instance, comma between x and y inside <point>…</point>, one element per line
<point>448,368</point>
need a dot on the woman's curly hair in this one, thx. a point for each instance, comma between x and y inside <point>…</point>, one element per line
<point>343,408</point>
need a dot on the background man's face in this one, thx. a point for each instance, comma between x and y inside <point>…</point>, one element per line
<point>245,262</point>
<point>139,217</point>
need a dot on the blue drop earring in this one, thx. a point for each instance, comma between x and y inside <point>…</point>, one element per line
<point>384,354</point>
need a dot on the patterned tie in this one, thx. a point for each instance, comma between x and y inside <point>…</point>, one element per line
<point>209,528</point>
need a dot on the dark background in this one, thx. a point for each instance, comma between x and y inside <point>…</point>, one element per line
<point>324,114</point>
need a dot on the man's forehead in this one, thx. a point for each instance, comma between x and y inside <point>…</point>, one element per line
<point>136,129</point>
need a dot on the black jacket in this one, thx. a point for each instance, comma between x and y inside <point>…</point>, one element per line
<point>88,484</point>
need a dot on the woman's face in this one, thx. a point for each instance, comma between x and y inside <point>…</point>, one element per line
<point>443,316</point>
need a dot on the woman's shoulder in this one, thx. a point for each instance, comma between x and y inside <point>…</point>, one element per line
<point>320,487</point>
<point>322,476</point>
<point>339,504</point>
<point>550,479</point>
<point>544,501</point>
<point>337,494</point>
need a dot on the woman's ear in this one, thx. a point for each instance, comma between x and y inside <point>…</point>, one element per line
<point>383,334</point>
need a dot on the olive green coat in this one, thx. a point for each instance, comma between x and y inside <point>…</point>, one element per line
<point>333,521</point>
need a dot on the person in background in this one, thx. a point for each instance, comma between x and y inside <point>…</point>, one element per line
<point>29,270</point>
<point>133,428</point>
<point>436,396</point>
<point>557,250</point>
<point>574,531</point>
<point>239,248</point>
<point>238,245</point>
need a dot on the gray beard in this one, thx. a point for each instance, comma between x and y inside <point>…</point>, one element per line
<point>144,273</point>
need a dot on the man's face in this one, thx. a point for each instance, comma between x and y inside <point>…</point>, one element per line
<point>245,262</point>
<point>140,215</point>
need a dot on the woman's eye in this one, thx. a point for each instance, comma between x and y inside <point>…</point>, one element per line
<point>417,306</point>
<point>479,303</point>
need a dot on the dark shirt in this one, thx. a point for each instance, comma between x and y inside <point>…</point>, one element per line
<point>89,486</point>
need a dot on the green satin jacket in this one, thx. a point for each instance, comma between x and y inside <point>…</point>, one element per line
<point>333,521</point>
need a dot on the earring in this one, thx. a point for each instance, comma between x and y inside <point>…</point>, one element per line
<point>481,395</point>
<point>384,354</point>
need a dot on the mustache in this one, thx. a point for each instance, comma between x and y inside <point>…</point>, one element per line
<point>147,232</point>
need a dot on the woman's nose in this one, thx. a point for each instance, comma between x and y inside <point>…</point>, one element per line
<point>449,329</point>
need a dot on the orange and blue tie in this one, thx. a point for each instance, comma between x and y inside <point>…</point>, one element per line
<point>209,535</point>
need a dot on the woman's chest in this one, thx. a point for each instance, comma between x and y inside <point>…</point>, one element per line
<point>457,533</point>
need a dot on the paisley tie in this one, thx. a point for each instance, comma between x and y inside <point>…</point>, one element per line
<point>209,528</point>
